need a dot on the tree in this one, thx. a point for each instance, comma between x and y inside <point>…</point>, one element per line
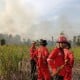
<point>78,40</point>
<point>3,42</point>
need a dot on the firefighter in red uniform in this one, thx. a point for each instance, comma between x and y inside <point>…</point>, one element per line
<point>56,59</point>
<point>42,55</point>
<point>32,60</point>
<point>69,60</point>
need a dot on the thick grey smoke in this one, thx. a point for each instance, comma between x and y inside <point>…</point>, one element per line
<point>20,18</point>
<point>16,19</point>
<point>26,18</point>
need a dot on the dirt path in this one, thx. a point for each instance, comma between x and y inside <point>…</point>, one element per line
<point>76,71</point>
<point>24,72</point>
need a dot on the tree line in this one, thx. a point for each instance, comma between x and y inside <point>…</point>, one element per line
<point>16,40</point>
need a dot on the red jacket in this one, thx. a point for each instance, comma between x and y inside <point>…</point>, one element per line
<point>56,59</point>
<point>69,57</point>
<point>32,52</point>
<point>69,61</point>
<point>42,55</point>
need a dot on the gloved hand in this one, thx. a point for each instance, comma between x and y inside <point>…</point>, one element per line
<point>66,61</point>
<point>58,70</point>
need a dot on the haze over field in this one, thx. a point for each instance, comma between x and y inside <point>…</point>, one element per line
<point>40,18</point>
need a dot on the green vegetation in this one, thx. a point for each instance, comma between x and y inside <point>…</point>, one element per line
<point>10,56</point>
<point>76,51</point>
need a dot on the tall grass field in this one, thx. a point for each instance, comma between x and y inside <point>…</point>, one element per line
<point>10,56</point>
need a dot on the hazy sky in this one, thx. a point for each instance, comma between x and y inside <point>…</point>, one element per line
<point>40,18</point>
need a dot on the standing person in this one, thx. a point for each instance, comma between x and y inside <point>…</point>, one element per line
<point>32,59</point>
<point>69,61</point>
<point>42,55</point>
<point>56,59</point>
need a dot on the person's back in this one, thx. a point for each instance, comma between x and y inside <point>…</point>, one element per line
<point>42,55</point>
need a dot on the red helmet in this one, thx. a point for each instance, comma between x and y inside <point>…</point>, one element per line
<point>62,39</point>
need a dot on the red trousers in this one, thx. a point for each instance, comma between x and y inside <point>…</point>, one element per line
<point>68,74</point>
<point>43,74</point>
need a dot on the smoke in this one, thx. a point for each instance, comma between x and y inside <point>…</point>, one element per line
<point>65,26</point>
<point>31,18</point>
<point>17,18</point>
<point>22,18</point>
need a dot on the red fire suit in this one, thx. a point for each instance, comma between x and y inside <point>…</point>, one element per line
<point>43,71</point>
<point>56,60</point>
<point>33,60</point>
<point>69,59</point>
<point>32,52</point>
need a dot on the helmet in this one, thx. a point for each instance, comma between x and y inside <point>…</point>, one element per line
<point>62,39</point>
<point>43,42</point>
